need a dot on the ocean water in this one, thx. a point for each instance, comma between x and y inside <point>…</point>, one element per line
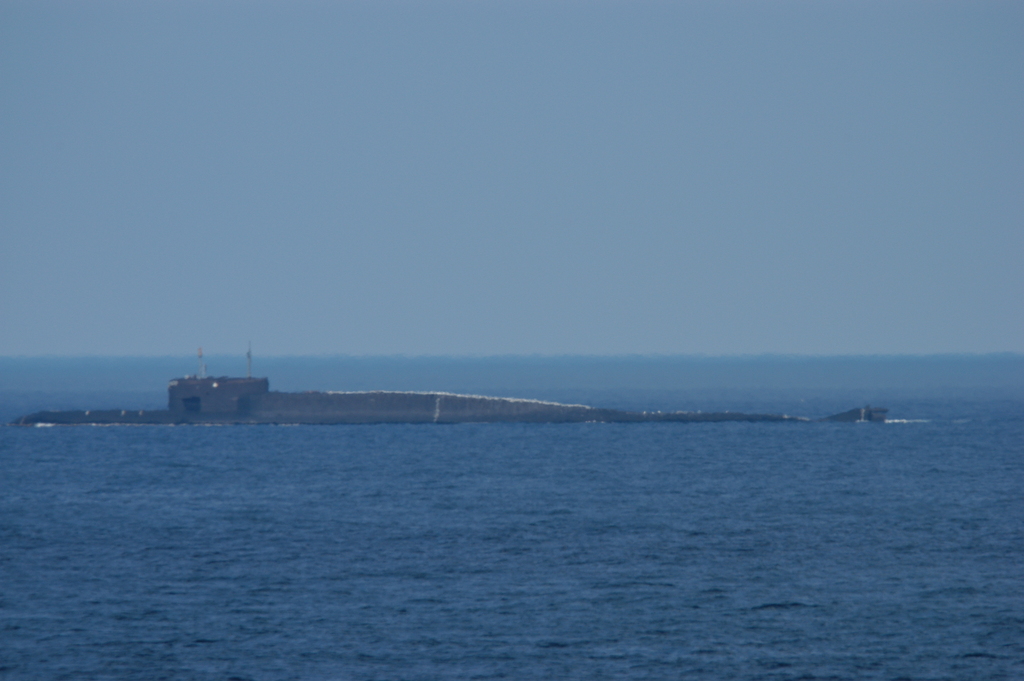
<point>485,551</point>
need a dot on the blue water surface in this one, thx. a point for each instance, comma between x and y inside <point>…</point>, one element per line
<point>590,551</point>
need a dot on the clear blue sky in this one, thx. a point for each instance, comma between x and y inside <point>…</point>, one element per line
<point>511,177</point>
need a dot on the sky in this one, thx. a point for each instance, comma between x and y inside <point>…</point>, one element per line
<point>511,178</point>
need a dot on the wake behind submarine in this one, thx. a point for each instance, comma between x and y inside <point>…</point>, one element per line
<point>235,401</point>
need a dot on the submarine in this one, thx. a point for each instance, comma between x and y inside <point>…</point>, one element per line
<point>224,400</point>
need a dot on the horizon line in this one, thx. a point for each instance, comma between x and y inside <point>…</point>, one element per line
<point>542,356</point>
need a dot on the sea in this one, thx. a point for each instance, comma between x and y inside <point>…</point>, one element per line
<point>523,551</point>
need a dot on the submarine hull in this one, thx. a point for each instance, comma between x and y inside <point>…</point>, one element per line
<point>382,407</point>
<point>234,401</point>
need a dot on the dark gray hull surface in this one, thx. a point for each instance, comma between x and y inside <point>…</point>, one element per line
<point>384,407</point>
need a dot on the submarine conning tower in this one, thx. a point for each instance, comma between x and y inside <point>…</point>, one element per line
<point>215,394</point>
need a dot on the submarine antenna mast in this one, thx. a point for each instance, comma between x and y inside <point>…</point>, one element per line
<point>202,366</point>
<point>248,362</point>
